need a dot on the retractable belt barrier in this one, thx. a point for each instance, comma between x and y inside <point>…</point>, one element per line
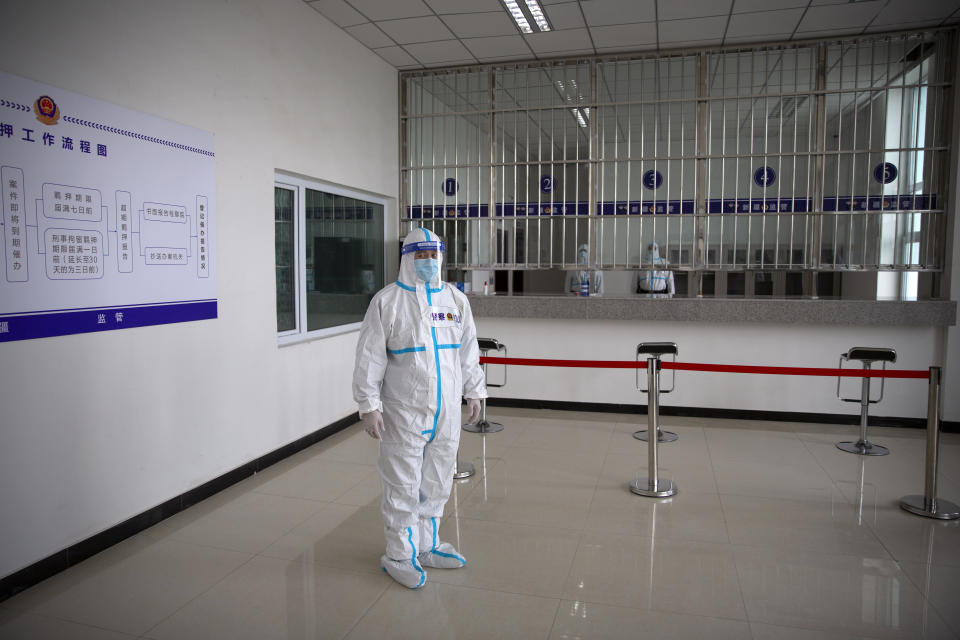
<point>918,374</point>
<point>927,505</point>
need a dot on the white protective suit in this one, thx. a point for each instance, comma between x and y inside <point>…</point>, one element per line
<point>656,281</point>
<point>594,277</point>
<point>416,356</point>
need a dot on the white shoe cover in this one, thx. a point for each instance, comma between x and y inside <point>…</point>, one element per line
<point>408,573</point>
<point>443,556</point>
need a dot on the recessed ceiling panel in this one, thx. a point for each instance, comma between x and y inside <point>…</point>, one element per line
<point>445,51</point>
<point>498,47</point>
<point>601,12</point>
<point>370,35</point>
<point>410,30</point>
<point>691,30</point>
<point>554,41</point>
<point>481,25</point>
<point>391,9</point>
<point>743,25</point>
<point>338,12</point>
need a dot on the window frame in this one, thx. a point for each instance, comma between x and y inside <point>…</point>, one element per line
<point>299,184</point>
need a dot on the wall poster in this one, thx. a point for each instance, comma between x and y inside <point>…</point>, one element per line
<point>108,217</point>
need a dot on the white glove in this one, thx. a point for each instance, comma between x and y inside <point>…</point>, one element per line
<point>473,407</point>
<point>373,423</point>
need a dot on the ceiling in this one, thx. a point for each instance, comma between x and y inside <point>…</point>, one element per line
<point>419,34</point>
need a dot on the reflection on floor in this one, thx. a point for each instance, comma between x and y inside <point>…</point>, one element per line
<point>775,534</point>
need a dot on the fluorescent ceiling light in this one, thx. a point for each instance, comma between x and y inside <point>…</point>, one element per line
<point>537,14</point>
<point>517,14</point>
<point>581,115</point>
<point>528,14</point>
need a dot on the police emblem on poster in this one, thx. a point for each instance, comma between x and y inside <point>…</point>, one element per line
<point>652,179</point>
<point>764,177</point>
<point>885,172</point>
<point>46,110</point>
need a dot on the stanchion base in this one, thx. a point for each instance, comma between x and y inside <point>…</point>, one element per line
<point>641,487</point>
<point>463,470</point>
<point>863,448</point>
<point>665,436</point>
<point>484,426</point>
<point>917,505</point>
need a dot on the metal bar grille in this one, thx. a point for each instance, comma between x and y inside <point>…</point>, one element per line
<point>810,157</point>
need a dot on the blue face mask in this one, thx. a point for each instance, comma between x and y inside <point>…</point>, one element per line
<point>426,268</point>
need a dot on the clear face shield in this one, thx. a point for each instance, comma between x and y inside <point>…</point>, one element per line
<point>653,253</point>
<point>427,257</point>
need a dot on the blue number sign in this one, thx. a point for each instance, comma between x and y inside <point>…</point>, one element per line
<point>765,177</point>
<point>450,187</point>
<point>546,183</point>
<point>652,179</point>
<point>885,172</point>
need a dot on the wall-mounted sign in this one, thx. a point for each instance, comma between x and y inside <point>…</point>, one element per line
<point>764,177</point>
<point>108,216</point>
<point>885,172</point>
<point>546,183</point>
<point>652,179</point>
<point>450,187</point>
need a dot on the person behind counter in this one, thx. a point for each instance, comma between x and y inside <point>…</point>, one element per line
<point>658,280</point>
<point>593,279</point>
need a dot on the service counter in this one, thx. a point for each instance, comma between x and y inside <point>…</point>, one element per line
<point>793,311</point>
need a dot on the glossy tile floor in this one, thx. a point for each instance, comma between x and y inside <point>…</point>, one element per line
<point>774,534</point>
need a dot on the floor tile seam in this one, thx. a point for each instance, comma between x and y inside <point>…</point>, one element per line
<point>282,495</point>
<point>284,532</point>
<point>198,595</point>
<point>723,513</point>
<point>927,599</point>
<point>76,622</point>
<point>831,554</point>
<point>658,609</point>
<point>553,623</point>
<point>782,499</point>
<point>374,470</point>
<point>478,476</point>
<point>653,609</point>
<point>239,510</point>
<point>524,524</point>
<point>739,547</point>
<point>858,636</point>
<point>366,611</point>
<point>508,592</point>
<point>325,565</point>
<point>835,630</point>
<point>726,526</point>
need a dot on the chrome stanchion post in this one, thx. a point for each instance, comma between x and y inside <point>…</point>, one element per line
<point>662,434</point>
<point>928,505</point>
<point>652,487</point>
<point>483,425</point>
<point>867,355</point>
<point>462,470</point>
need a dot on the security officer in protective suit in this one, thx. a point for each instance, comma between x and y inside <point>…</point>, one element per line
<point>416,356</point>
<point>657,281</point>
<point>592,278</point>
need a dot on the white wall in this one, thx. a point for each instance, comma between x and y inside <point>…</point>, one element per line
<point>747,344</point>
<point>98,427</point>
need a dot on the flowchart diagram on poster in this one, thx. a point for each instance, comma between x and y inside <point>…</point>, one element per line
<point>108,215</point>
